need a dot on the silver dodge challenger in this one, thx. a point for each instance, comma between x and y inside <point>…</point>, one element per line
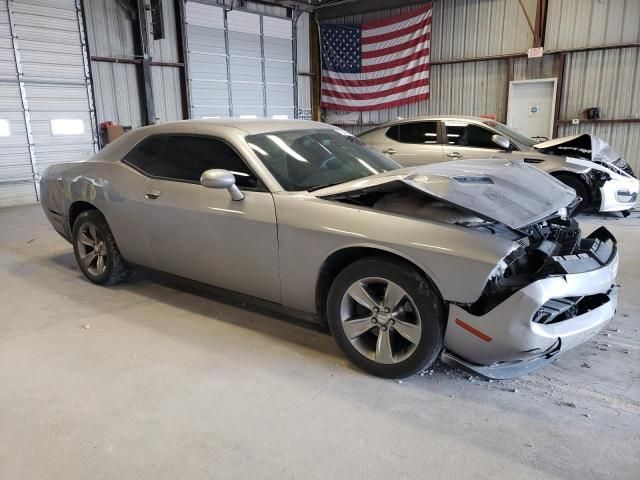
<point>476,262</point>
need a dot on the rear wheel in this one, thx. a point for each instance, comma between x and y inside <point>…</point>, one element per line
<point>580,188</point>
<point>386,317</point>
<point>96,251</point>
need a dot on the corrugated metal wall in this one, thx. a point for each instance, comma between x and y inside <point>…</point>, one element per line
<point>478,28</point>
<point>590,23</point>
<point>116,85</point>
<point>167,92</point>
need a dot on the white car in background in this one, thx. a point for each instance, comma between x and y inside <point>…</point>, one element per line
<point>586,163</point>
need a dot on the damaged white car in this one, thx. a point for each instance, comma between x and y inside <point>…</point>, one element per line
<point>476,261</point>
<point>601,178</point>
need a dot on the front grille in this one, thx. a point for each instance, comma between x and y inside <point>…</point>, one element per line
<point>568,240</point>
<point>558,310</point>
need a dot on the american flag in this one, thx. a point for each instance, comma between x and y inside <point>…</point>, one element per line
<point>376,65</point>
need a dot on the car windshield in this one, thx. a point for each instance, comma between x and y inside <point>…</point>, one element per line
<point>313,159</point>
<point>512,135</point>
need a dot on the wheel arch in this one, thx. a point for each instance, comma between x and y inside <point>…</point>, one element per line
<point>337,260</point>
<point>76,208</point>
<point>592,191</point>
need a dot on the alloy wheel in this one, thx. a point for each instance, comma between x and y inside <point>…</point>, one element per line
<point>380,320</point>
<point>92,249</point>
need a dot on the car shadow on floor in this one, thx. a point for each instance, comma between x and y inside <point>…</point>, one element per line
<point>205,300</point>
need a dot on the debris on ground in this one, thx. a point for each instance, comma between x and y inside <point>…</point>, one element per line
<point>585,365</point>
<point>567,404</point>
<point>86,327</point>
<point>30,241</point>
<point>586,415</point>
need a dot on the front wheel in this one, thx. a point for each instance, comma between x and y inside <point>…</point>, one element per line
<point>96,251</point>
<point>386,317</point>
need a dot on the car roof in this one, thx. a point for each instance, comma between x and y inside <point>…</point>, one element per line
<point>431,117</point>
<point>248,125</point>
<point>225,127</point>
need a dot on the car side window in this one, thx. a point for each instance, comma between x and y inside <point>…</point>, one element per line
<point>469,135</point>
<point>423,133</point>
<point>185,158</point>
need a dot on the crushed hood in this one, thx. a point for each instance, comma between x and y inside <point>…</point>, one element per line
<point>509,192</point>
<point>582,146</point>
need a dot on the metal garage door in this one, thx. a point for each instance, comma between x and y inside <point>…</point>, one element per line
<point>46,94</point>
<point>241,64</point>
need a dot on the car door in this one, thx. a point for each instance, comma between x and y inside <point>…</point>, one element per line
<point>201,233</point>
<point>468,140</point>
<point>413,143</point>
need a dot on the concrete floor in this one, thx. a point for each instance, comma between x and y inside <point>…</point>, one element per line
<point>148,381</point>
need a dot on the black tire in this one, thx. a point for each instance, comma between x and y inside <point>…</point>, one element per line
<point>424,296</point>
<point>115,268</point>
<point>580,188</point>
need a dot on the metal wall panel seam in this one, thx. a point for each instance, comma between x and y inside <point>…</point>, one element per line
<point>184,45</point>
<point>228,59</point>
<point>23,96</point>
<point>87,75</point>
<point>294,54</point>
<point>264,66</point>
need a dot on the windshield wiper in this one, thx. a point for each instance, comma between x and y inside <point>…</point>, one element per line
<point>320,187</point>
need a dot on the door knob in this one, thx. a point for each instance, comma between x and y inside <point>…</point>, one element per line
<point>153,194</point>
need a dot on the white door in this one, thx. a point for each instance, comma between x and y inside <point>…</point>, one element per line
<point>532,106</point>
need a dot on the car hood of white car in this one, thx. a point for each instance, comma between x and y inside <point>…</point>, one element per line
<point>506,191</point>
<point>591,147</point>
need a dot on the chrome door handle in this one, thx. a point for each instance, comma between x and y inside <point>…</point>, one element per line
<point>389,151</point>
<point>454,155</point>
<point>153,194</point>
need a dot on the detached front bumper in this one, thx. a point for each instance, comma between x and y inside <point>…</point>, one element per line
<point>543,319</point>
<point>619,193</point>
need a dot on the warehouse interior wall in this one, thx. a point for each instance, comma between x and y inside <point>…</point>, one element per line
<point>479,46</point>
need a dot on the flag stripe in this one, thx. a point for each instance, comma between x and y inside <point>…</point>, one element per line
<point>396,40</point>
<point>372,101</point>
<point>385,59</point>
<point>396,48</point>
<point>371,95</point>
<point>368,82</point>
<point>380,76</point>
<point>329,87</point>
<point>398,18</point>
<point>377,106</point>
<point>396,33</point>
<point>397,63</point>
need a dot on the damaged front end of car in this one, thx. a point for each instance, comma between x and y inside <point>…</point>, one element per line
<point>551,293</point>
<point>610,179</point>
<point>552,290</point>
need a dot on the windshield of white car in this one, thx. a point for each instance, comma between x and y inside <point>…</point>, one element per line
<point>518,138</point>
<point>312,159</point>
